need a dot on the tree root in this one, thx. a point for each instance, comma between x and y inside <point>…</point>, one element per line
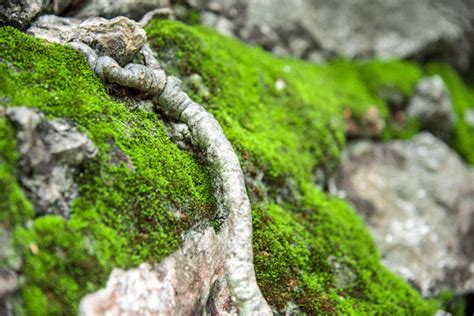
<point>165,93</point>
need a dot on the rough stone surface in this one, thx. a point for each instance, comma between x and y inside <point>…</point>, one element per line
<point>133,9</point>
<point>119,38</point>
<point>188,282</point>
<point>20,13</point>
<point>313,29</point>
<point>50,153</point>
<point>418,199</point>
<point>431,105</point>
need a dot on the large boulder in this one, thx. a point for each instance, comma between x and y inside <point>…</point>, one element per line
<point>418,198</point>
<point>358,28</point>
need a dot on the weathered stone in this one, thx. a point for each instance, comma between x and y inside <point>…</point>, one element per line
<point>357,28</point>
<point>133,9</point>
<point>119,38</point>
<point>418,198</point>
<point>431,105</point>
<point>50,152</point>
<point>219,22</point>
<point>20,13</point>
<point>179,285</point>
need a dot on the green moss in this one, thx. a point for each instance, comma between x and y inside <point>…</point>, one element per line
<point>384,78</point>
<point>62,263</point>
<point>127,212</point>
<point>284,117</point>
<point>288,131</point>
<point>463,99</point>
<point>322,257</point>
<point>456,305</point>
<point>309,249</point>
<point>14,207</point>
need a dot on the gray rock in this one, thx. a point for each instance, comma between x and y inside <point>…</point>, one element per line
<point>219,22</point>
<point>133,9</point>
<point>431,105</point>
<point>119,38</point>
<point>50,153</point>
<point>188,282</point>
<point>418,198</point>
<point>20,13</point>
<point>357,28</point>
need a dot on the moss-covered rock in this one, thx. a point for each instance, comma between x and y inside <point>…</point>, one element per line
<point>285,118</point>
<point>125,214</point>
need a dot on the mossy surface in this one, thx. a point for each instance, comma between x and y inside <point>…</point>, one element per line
<point>14,207</point>
<point>127,211</point>
<point>285,118</point>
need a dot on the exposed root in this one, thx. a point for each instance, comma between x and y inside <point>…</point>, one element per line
<point>206,132</point>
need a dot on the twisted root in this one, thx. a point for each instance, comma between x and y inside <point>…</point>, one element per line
<point>165,93</point>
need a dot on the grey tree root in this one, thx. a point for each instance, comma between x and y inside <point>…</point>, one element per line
<point>206,132</point>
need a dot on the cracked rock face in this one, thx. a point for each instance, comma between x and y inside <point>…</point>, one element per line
<point>50,153</point>
<point>418,199</point>
<point>119,38</point>
<point>313,29</point>
<point>431,105</point>
<point>188,282</point>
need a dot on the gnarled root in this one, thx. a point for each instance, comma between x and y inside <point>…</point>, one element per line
<point>206,132</point>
